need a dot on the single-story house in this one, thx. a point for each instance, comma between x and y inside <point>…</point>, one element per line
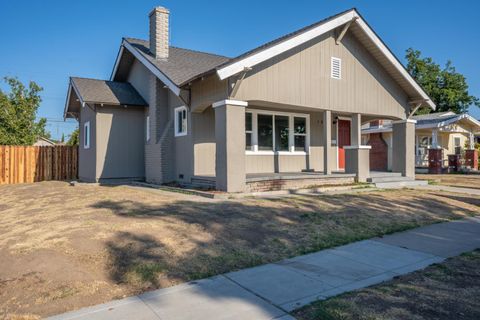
<point>293,105</point>
<point>442,130</point>
<point>44,142</point>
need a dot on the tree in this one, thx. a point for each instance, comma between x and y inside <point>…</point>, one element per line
<point>18,113</point>
<point>73,139</point>
<point>446,87</point>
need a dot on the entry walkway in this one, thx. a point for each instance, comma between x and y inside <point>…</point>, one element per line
<point>271,291</point>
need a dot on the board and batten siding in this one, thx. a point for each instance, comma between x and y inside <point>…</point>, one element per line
<point>302,77</point>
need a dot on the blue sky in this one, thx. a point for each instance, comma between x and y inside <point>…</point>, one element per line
<point>48,41</point>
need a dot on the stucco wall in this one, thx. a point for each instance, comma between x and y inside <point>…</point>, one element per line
<point>120,143</point>
<point>87,157</point>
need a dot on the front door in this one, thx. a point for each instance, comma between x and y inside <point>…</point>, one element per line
<point>343,140</point>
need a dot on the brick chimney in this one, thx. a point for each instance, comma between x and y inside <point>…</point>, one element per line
<point>159,32</point>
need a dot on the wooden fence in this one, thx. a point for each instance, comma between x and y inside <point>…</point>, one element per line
<point>26,164</point>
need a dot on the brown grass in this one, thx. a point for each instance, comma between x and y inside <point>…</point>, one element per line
<point>445,291</point>
<point>453,180</point>
<point>62,247</point>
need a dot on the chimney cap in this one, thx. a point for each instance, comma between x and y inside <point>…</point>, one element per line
<point>159,10</point>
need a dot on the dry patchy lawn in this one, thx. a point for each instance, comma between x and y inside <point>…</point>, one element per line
<point>445,291</point>
<point>63,247</point>
<point>453,180</point>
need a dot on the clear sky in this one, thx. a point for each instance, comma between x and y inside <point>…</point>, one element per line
<point>48,41</point>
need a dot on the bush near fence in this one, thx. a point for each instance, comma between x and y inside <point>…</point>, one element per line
<point>27,164</point>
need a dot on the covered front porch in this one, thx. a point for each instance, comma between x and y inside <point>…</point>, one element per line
<point>288,148</point>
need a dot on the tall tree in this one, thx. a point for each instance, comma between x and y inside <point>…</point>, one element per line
<point>73,139</point>
<point>18,113</point>
<point>447,88</point>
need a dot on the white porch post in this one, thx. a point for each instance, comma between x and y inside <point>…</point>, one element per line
<point>435,138</point>
<point>230,145</point>
<point>327,141</point>
<point>471,141</point>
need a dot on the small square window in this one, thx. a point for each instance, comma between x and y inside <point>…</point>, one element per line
<point>180,121</point>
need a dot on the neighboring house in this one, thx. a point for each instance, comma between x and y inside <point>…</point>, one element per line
<point>445,130</point>
<point>295,104</point>
<point>44,142</point>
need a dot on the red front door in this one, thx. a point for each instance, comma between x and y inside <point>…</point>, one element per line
<point>343,139</point>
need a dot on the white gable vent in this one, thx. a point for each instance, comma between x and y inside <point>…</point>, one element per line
<point>336,71</point>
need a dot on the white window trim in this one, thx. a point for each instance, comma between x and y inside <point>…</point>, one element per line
<point>147,129</point>
<point>339,68</point>
<point>180,109</point>
<point>86,129</point>
<point>291,140</point>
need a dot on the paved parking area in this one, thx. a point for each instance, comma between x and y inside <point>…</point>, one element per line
<point>271,291</point>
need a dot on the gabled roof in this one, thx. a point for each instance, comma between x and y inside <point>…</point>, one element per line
<point>181,66</point>
<point>431,121</point>
<point>184,66</point>
<point>106,92</point>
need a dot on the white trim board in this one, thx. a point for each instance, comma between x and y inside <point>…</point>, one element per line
<point>279,48</point>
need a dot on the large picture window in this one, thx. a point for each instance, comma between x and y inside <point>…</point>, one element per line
<point>267,131</point>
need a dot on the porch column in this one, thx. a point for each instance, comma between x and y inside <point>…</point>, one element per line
<point>230,145</point>
<point>327,141</point>
<point>471,141</point>
<point>357,157</point>
<point>356,130</point>
<point>435,138</point>
<point>403,147</point>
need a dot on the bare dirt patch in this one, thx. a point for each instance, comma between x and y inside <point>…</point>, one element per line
<point>445,291</point>
<point>63,247</point>
<point>453,180</point>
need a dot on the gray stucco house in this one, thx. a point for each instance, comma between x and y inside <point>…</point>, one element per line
<point>295,104</point>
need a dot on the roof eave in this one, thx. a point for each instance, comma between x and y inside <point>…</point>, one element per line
<point>230,69</point>
<point>151,67</point>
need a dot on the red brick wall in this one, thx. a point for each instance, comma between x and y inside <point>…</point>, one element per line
<point>378,153</point>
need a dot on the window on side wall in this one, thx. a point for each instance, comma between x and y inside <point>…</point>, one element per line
<point>181,117</point>
<point>147,128</point>
<point>86,135</point>
<point>248,130</point>
<point>457,142</point>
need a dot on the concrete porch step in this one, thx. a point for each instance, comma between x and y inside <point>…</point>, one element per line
<point>388,179</point>
<point>381,174</point>
<point>401,184</point>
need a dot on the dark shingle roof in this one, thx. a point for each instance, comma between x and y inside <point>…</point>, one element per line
<point>107,92</point>
<point>182,65</point>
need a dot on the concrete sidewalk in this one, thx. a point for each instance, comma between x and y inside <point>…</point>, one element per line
<point>271,291</point>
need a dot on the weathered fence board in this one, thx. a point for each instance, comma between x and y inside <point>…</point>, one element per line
<point>26,164</point>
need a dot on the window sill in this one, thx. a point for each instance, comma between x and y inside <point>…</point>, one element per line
<point>274,153</point>
<point>180,134</point>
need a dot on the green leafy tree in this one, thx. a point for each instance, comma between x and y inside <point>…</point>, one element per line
<point>73,139</point>
<point>18,113</point>
<point>447,88</point>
